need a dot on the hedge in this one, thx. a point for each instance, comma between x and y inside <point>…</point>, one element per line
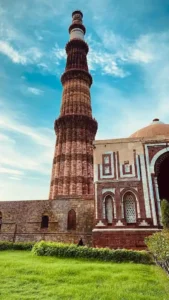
<point>102,254</point>
<point>16,246</point>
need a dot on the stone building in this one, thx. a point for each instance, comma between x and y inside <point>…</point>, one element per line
<point>118,203</point>
<point>130,177</point>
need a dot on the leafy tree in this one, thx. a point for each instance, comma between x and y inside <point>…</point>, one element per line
<point>165,213</point>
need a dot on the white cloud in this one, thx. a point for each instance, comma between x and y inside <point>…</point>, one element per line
<point>5,138</point>
<point>142,51</point>
<point>33,154</point>
<point>100,58</point>
<point>139,56</point>
<point>59,54</point>
<point>14,55</point>
<point>113,54</point>
<point>14,178</point>
<point>24,57</point>
<point>35,91</point>
<point>106,62</point>
<point>10,171</point>
<point>41,136</point>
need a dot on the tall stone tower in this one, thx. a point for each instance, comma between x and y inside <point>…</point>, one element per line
<point>72,172</point>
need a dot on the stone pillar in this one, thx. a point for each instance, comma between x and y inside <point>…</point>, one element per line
<point>158,199</point>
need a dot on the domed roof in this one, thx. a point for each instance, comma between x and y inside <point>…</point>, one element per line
<point>156,128</point>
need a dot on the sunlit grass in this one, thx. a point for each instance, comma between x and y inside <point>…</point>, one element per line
<point>25,276</point>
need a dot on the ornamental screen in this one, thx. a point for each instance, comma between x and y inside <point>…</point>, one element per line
<point>130,209</point>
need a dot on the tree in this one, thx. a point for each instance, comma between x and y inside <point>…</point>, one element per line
<point>165,213</point>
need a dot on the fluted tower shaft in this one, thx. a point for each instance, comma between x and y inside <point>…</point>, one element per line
<point>72,172</point>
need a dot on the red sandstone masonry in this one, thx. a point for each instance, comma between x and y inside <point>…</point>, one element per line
<point>72,171</point>
<point>122,239</point>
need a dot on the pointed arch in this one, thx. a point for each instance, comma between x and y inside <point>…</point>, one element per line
<point>161,169</point>
<point>71,220</point>
<point>104,196</point>
<point>156,156</point>
<point>136,198</point>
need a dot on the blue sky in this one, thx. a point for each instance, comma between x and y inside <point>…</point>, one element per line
<point>128,59</point>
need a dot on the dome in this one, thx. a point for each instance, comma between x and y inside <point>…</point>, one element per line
<point>156,128</point>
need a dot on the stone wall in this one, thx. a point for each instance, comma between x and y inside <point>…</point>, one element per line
<point>21,220</point>
<point>128,239</point>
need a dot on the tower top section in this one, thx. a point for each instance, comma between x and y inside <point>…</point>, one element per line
<point>77,30</point>
<point>76,13</point>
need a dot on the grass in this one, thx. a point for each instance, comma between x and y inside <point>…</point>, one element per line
<point>25,276</point>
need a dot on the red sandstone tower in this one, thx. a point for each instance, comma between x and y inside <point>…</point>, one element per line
<point>72,172</point>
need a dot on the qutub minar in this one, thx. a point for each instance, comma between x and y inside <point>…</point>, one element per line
<point>106,192</point>
<point>75,128</point>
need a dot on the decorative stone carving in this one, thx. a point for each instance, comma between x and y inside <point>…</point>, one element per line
<point>144,223</point>
<point>119,223</point>
<point>100,223</point>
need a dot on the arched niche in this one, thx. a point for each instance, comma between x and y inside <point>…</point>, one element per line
<point>45,221</point>
<point>108,201</point>
<point>71,220</point>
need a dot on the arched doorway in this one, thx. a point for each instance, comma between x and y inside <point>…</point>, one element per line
<point>162,174</point>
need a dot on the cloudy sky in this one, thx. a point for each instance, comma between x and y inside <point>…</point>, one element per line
<point>129,62</point>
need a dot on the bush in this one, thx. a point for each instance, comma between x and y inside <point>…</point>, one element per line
<point>165,213</point>
<point>103,254</point>
<point>158,244</point>
<point>16,246</point>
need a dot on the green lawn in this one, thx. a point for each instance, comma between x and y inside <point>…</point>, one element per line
<point>25,276</point>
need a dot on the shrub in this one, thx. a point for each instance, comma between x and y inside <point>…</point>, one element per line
<point>158,244</point>
<point>165,213</point>
<point>16,246</point>
<point>103,254</point>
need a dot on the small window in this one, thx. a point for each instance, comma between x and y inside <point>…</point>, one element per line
<point>106,164</point>
<point>0,220</point>
<point>130,208</point>
<point>45,222</point>
<point>109,209</point>
<point>71,221</point>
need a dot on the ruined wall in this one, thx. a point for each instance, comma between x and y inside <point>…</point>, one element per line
<point>21,220</point>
